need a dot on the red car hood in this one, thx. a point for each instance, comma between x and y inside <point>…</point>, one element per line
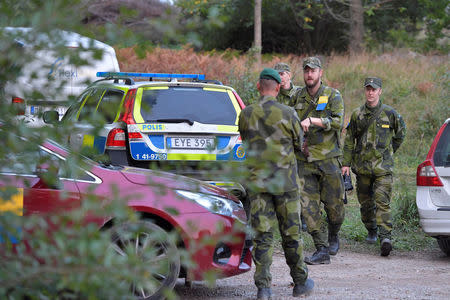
<point>173,181</point>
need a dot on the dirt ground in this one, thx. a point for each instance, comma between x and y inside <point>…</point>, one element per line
<point>351,275</point>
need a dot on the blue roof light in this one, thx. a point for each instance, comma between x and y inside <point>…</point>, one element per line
<point>151,75</point>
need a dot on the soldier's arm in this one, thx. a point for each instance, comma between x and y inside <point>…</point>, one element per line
<point>349,143</point>
<point>399,132</point>
<point>242,125</point>
<point>297,132</point>
<point>335,118</point>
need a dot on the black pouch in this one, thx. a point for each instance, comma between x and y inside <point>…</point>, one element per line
<point>348,186</point>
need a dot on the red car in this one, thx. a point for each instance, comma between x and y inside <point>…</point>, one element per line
<point>201,208</point>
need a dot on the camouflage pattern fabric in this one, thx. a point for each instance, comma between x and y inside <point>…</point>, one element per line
<point>266,210</point>
<point>320,172</point>
<point>322,183</point>
<point>370,156</point>
<point>271,133</point>
<point>323,143</point>
<point>374,194</point>
<point>285,95</point>
<point>371,152</point>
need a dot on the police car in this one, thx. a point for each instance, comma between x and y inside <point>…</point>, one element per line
<point>180,122</point>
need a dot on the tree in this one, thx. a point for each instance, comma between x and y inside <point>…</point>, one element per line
<point>352,13</point>
<point>288,26</point>
<point>356,27</point>
<point>258,44</point>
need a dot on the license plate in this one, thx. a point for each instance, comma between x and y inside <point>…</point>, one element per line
<point>190,142</point>
<point>34,110</point>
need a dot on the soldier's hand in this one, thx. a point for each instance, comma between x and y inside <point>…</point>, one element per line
<point>305,124</point>
<point>345,170</point>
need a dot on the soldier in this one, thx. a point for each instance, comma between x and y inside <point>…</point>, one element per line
<point>321,111</point>
<point>374,133</point>
<point>287,88</point>
<point>270,132</point>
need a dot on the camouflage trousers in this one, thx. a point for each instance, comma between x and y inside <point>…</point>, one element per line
<point>322,182</point>
<point>374,196</point>
<point>266,210</point>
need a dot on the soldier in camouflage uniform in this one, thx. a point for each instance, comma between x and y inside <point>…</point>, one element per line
<point>374,133</point>
<point>321,110</point>
<point>287,91</point>
<point>270,132</point>
<point>287,88</point>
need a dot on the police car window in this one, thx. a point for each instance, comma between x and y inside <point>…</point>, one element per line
<point>442,152</point>
<point>109,105</point>
<point>90,105</point>
<point>74,108</point>
<point>194,104</point>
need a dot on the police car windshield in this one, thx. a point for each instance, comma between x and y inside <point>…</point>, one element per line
<point>187,103</point>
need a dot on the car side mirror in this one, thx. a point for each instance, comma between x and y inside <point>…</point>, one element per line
<point>51,117</point>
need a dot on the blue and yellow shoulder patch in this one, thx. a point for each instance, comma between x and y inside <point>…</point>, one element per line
<point>322,103</point>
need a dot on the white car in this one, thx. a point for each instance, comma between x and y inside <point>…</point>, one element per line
<point>55,76</point>
<point>433,189</point>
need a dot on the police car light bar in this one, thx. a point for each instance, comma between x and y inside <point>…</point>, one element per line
<point>150,75</point>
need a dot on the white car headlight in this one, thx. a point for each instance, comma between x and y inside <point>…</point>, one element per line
<point>215,204</point>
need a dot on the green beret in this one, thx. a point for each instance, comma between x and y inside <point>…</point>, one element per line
<point>312,62</point>
<point>269,73</point>
<point>374,82</point>
<point>282,67</point>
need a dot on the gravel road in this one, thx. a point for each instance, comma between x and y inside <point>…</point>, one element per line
<point>351,275</point>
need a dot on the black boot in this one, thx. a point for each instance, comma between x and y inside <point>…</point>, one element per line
<point>321,256</point>
<point>264,294</point>
<point>371,236</point>
<point>303,289</point>
<point>386,247</point>
<point>333,241</point>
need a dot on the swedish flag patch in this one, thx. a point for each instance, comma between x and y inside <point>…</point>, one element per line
<point>323,101</point>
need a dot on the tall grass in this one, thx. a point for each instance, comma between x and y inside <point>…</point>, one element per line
<point>416,86</point>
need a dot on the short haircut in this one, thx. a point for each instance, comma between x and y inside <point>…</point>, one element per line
<point>268,84</point>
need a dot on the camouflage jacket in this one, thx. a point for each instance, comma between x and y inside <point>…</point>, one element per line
<point>285,95</point>
<point>371,152</point>
<point>323,143</point>
<point>271,133</point>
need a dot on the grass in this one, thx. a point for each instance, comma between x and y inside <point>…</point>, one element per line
<point>405,237</point>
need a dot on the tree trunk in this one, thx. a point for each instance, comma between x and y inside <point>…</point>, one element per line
<point>356,27</point>
<point>257,45</point>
